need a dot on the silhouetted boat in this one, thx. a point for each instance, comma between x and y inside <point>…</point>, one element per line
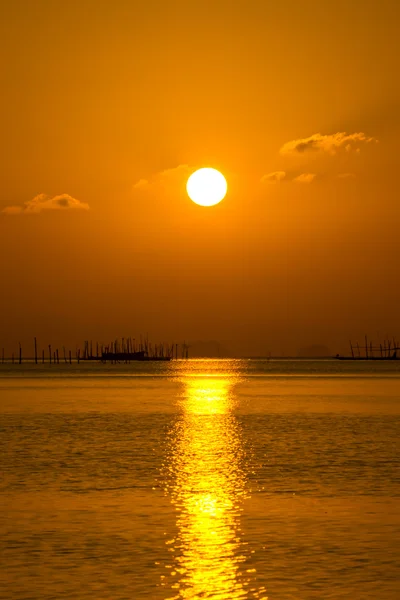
<point>392,357</point>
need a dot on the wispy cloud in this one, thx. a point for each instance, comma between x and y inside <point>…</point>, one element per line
<point>166,179</point>
<point>141,184</point>
<point>274,177</point>
<point>284,177</point>
<point>305,178</point>
<point>329,144</point>
<point>43,202</point>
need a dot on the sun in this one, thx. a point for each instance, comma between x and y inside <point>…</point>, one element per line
<point>206,187</point>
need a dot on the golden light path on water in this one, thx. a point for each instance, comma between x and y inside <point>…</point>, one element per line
<point>206,481</point>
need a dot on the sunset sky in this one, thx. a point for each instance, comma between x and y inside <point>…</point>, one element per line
<point>108,107</point>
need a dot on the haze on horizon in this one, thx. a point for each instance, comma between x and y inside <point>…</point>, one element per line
<point>106,109</point>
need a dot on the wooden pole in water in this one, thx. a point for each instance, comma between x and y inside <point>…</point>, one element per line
<point>58,360</point>
<point>20,353</point>
<point>70,358</point>
<point>35,351</point>
<point>43,356</point>
<point>50,353</point>
<point>12,358</point>
<point>366,347</point>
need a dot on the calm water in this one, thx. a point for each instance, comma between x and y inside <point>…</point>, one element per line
<point>200,479</point>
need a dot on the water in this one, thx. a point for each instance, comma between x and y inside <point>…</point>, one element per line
<point>200,479</point>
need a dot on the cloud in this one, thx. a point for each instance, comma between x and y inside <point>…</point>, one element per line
<point>274,177</point>
<point>305,178</point>
<point>174,172</point>
<point>43,202</point>
<point>327,143</point>
<point>141,184</point>
<point>165,179</point>
<point>283,176</point>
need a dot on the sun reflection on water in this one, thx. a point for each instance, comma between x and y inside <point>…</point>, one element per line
<point>206,481</point>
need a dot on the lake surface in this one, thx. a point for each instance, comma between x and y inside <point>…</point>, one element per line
<point>220,479</point>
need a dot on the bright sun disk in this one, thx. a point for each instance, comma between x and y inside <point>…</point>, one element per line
<point>206,187</point>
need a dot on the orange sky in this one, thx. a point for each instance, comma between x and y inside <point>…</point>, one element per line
<point>106,107</point>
